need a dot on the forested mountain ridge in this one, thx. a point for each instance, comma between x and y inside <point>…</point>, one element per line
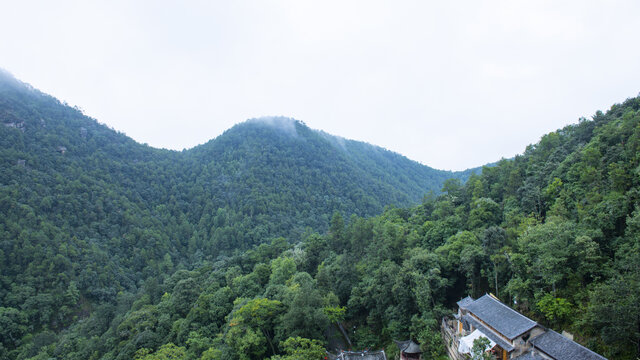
<point>88,213</point>
<point>302,174</point>
<point>115,250</point>
<point>555,232</point>
<point>280,171</point>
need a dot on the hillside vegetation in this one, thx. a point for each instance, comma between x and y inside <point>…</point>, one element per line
<point>555,232</point>
<point>114,250</point>
<point>89,216</point>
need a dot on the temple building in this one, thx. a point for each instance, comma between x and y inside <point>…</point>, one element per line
<point>511,335</point>
<point>359,355</point>
<point>409,350</point>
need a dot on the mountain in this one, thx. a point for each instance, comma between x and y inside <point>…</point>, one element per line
<point>88,213</point>
<point>110,249</point>
<point>552,232</point>
<point>274,176</point>
<point>288,176</point>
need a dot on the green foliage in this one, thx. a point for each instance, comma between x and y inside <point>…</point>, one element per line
<point>555,310</point>
<point>426,330</point>
<point>254,245</point>
<point>335,314</point>
<point>13,325</point>
<point>89,215</point>
<point>252,328</point>
<point>166,352</point>
<point>297,348</point>
<point>211,354</point>
<point>282,269</point>
<point>479,349</point>
<point>305,316</point>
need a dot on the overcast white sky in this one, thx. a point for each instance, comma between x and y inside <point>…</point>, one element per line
<point>452,84</point>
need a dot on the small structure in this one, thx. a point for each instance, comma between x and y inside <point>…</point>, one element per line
<point>409,350</point>
<point>359,355</point>
<point>511,334</point>
<point>61,149</point>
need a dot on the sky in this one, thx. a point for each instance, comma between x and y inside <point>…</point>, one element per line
<point>451,84</point>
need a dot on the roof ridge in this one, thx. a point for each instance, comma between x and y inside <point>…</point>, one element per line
<point>507,306</point>
<point>510,332</point>
<point>573,341</point>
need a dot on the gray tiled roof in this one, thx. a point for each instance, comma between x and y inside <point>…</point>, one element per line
<point>496,339</point>
<point>408,347</point>
<point>359,355</point>
<point>499,316</point>
<point>561,348</point>
<point>530,355</point>
<point>464,302</point>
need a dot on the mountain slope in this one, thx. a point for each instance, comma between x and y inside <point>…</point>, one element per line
<point>88,213</point>
<point>287,176</point>
<point>97,235</point>
<point>241,170</point>
<point>553,232</point>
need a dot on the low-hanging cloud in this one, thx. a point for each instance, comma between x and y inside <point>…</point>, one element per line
<point>281,123</point>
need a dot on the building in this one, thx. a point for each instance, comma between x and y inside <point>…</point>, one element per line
<point>359,355</point>
<point>511,334</point>
<point>552,345</point>
<point>409,350</point>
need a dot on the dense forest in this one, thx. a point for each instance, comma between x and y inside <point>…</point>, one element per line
<point>114,250</point>
<point>88,211</point>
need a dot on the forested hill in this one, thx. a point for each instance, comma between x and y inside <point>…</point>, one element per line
<point>288,176</point>
<point>261,179</point>
<point>110,249</point>
<point>553,232</point>
<point>88,213</point>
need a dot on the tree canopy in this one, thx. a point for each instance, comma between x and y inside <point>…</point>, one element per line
<point>263,243</point>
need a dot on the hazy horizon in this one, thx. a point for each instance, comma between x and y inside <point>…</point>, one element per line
<point>452,86</point>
